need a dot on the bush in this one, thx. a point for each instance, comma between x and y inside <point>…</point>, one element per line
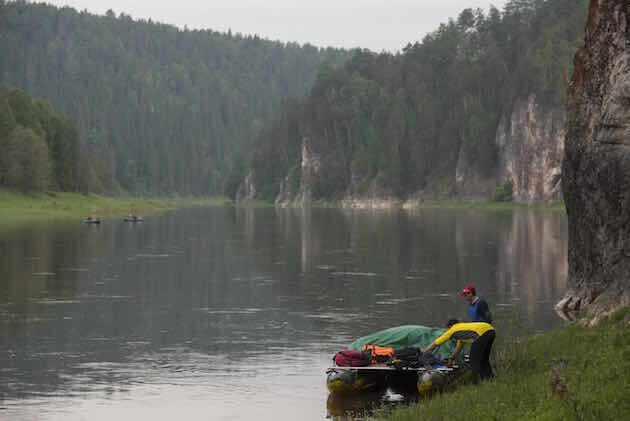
<point>27,165</point>
<point>503,193</point>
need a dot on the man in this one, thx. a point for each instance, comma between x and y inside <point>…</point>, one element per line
<point>478,309</point>
<point>480,337</point>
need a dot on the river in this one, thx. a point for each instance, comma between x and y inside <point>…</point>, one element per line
<point>235,313</point>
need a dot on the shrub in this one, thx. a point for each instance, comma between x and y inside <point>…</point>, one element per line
<point>503,193</point>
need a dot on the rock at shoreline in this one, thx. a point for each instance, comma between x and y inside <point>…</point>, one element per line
<point>596,169</point>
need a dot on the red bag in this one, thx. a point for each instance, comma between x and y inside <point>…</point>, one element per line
<point>351,358</point>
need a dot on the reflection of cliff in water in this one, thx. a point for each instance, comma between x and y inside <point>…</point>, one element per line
<point>517,259</point>
<point>529,254</point>
<point>532,260</point>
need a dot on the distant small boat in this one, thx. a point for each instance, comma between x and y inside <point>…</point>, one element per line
<point>90,220</point>
<point>133,219</point>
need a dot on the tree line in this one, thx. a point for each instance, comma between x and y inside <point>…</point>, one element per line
<point>398,123</point>
<point>39,148</point>
<point>160,110</point>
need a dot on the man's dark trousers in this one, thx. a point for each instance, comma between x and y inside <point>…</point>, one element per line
<point>480,357</point>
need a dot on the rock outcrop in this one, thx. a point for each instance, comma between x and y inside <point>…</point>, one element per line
<point>297,187</point>
<point>247,190</point>
<point>530,148</point>
<point>596,169</point>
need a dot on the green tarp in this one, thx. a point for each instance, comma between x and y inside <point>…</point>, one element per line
<point>409,335</point>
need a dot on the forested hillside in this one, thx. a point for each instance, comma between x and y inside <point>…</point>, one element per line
<point>39,148</point>
<point>396,124</point>
<point>162,110</point>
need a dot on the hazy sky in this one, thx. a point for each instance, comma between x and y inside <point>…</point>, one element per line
<point>374,24</point>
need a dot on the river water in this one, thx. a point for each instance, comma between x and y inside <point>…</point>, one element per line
<point>231,313</point>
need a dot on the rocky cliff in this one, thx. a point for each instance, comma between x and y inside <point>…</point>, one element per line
<point>530,147</point>
<point>247,190</point>
<point>596,169</point>
<point>297,187</point>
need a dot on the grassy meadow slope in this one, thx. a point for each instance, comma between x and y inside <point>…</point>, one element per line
<point>572,373</point>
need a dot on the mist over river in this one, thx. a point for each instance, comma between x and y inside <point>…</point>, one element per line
<point>234,313</point>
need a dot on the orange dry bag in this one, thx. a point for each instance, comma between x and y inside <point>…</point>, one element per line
<point>380,354</point>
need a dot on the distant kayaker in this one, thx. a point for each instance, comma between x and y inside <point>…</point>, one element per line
<point>478,309</point>
<point>480,337</point>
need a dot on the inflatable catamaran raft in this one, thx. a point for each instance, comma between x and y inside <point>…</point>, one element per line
<point>392,358</point>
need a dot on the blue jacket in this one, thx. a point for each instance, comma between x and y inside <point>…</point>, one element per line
<point>479,311</point>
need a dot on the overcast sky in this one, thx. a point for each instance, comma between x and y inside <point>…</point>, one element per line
<point>374,24</point>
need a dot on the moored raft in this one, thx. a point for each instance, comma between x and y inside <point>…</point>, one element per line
<point>426,380</point>
<point>427,376</point>
<point>349,381</point>
<point>443,378</point>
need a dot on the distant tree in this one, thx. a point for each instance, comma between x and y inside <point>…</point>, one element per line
<point>28,166</point>
<point>7,124</point>
<point>55,165</point>
<point>88,181</point>
<point>23,111</point>
<point>7,120</point>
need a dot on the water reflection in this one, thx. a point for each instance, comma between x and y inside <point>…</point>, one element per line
<point>243,308</point>
<point>532,263</point>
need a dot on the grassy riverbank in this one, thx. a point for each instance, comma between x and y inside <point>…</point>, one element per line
<point>16,206</point>
<point>573,373</point>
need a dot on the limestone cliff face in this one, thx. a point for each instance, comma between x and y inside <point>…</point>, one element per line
<point>530,146</point>
<point>297,187</point>
<point>247,189</point>
<point>596,170</point>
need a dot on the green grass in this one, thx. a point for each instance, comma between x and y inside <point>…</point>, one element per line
<point>572,373</point>
<point>15,207</point>
<point>255,204</point>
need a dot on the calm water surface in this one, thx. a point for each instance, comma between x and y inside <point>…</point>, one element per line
<point>229,314</point>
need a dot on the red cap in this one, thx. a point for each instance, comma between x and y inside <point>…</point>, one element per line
<point>470,288</point>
